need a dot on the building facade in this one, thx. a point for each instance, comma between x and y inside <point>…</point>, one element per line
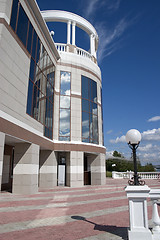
<point>50,102</point>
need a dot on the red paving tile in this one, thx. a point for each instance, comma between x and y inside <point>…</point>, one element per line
<point>74,229</point>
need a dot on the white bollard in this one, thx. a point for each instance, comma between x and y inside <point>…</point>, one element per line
<point>155,195</point>
<point>137,196</point>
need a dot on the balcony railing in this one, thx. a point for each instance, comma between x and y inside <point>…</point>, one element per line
<point>129,175</point>
<point>62,47</point>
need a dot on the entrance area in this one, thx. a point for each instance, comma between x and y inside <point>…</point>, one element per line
<point>61,169</point>
<point>7,170</point>
<point>87,171</point>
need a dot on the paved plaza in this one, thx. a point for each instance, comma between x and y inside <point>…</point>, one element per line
<point>62,213</point>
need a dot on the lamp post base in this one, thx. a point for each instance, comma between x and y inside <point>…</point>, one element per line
<point>142,235</point>
<point>137,196</point>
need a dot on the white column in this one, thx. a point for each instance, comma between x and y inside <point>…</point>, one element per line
<point>92,44</point>
<point>137,196</point>
<point>68,32</point>
<point>73,33</point>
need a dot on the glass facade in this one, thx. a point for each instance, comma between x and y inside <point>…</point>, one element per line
<point>89,110</point>
<point>41,76</point>
<point>65,106</point>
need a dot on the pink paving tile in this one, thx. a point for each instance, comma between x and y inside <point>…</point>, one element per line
<point>6,217</point>
<point>52,200</point>
<point>73,230</point>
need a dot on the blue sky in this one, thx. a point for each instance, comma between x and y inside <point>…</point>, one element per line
<point>129,58</point>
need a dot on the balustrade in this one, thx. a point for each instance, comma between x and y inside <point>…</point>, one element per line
<point>155,196</point>
<point>62,47</point>
<point>129,175</point>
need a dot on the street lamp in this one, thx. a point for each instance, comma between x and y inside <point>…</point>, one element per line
<point>133,138</point>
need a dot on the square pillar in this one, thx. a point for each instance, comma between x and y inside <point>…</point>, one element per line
<point>137,196</point>
<point>2,142</point>
<point>26,166</point>
<point>48,169</point>
<point>98,169</point>
<point>75,169</point>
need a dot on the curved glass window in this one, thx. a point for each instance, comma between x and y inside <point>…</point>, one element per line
<point>65,99</point>
<point>41,76</point>
<point>89,111</point>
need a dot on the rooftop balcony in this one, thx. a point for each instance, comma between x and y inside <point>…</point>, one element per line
<point>74,20</point>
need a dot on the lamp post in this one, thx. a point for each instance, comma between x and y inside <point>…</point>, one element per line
<point>133,138</point>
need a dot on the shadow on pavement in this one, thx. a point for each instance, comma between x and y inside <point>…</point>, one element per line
<point>119,231</point>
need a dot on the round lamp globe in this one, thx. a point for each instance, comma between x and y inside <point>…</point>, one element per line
<point>133,136</point>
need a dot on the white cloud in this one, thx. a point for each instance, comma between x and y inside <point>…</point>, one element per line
<point>90,8</point>
<point>110,38</point>
<point>93,5</point>
<point>151,135</point>
<point>109,154</point>
<point>154,119</point>
<point>113,5</point>
<point>109,131</point>
<point>146,147</point>
<point>121,139</point>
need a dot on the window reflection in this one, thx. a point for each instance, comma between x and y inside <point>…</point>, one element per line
<point>85,125</point>
<point>64,102</point>
<point>89,111</point>
<point>64,122</point>
<point>65,83</point>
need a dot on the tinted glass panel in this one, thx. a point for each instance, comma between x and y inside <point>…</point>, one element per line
<point>50,78</point>
<point>29,100</point>
<point>94,108</point>
<point>64,102</point>
<point>89,110</point>
<point>22,27</point>
<point>38,50</point>
<point>85,105</point>
<point>85,125</point>
<point>14,14</point>
<point>94,91</point>
<point>65,83</point>
<point>49,91</point>
<point>34,101</point>
<point>32,70</point>
<point>34,43</point>
<point>85,90</point>
<point>29,43</point>
<point>95,128</point>
<point>64,122</point>
<point>91,126</point>
<point>64,138</point>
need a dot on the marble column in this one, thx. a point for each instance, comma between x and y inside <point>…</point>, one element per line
<point>26,167</point>
<point>48,169</point>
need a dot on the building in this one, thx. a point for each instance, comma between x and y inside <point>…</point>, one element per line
<point>50,102</point>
